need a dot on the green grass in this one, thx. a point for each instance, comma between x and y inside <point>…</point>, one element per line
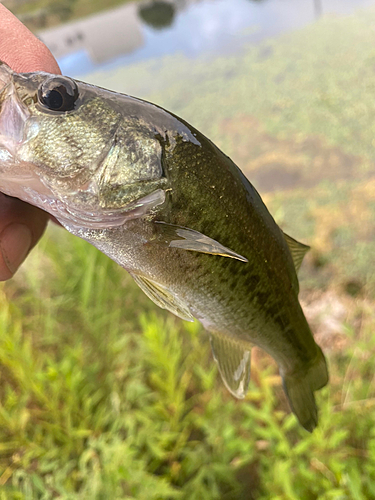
<point>105,396</point>
<point>102,395</point>
<point>318,81</point>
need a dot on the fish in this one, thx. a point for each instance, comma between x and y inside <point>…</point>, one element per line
<point>160,199</point>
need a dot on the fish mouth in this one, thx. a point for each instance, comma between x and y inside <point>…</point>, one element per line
<point>14,175</point>
<point>5,76</point>
<point>13,115</point>
<point>5,82</point>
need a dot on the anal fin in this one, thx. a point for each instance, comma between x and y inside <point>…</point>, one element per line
<point>163,297</point>
<point>233,359</point>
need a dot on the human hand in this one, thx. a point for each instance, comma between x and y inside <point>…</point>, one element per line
<point>21,225</point>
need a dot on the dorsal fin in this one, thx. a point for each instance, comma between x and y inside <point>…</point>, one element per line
<point>163,297</point>
<point>233,359</point>
<point>297,249</point>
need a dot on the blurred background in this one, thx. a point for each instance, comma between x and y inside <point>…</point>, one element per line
<point>102,394</point>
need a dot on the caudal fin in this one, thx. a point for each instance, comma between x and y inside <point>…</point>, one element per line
<point>300,388</point>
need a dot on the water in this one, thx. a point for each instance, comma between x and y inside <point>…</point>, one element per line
<point>133,32</point>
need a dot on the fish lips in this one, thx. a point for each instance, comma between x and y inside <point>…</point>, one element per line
<point>13,116</point>
<point>5,75</point>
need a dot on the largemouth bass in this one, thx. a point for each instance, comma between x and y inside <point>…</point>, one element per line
<point>165,203</point>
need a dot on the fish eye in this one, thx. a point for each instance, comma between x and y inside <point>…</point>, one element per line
<point>58,93</point>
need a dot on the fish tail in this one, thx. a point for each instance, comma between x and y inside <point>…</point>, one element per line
<point>299,388</point>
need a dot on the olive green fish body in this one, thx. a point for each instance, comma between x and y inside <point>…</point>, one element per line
<point>164,202</point>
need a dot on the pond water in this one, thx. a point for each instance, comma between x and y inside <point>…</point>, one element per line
<point>139,31</point>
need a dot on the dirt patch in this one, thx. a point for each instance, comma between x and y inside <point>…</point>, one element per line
<point>280,164</point>
<point>327,314</point>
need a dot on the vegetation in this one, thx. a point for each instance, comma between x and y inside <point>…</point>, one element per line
<point>103,395</point>
<point>39,14</point>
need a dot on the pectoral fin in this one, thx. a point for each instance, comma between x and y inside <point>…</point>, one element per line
<point>163,297</point>
<point>189,239</point>
<point>297,249</point>
<point>233,359</point>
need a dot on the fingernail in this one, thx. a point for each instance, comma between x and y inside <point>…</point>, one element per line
<point>15,243</point>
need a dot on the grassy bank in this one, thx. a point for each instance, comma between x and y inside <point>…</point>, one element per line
<point>104,396</point>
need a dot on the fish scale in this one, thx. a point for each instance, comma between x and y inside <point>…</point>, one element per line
<point>161,200</point>
<point>229,272</point>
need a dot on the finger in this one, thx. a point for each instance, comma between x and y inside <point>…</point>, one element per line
<point>21,225</point>
<point>20,49</point>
